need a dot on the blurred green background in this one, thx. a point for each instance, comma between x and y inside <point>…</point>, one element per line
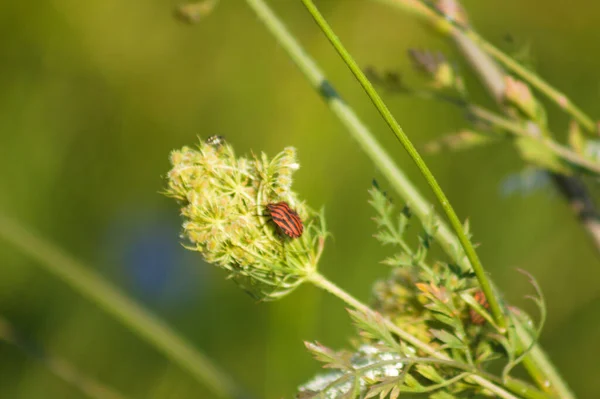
<point>95,94</point>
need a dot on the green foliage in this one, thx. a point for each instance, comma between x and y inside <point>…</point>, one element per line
<point>436,302</point>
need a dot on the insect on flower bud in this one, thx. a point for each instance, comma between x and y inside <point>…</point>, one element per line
<point>225,204</point>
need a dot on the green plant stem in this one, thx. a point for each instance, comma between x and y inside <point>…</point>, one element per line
<point>484,283</point>
<point>359,131</point>
<point>536,81</point>
<point>540,367</point>
<point>522,389</point>
<point>537,364</point>
<point>515,128</point>
<point>423,10</point>
<point>132,315</point>
<point>364,137</point>
<point>518,129</point>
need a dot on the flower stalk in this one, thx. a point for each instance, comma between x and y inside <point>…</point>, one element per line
<point>358,130</point>
<point>484,282</point>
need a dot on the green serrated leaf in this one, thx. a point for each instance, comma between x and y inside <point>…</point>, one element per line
<point>403,222</point>
<point>386,238</point>
<point>429,372</point>
<point>412,383</point>
<point>455,324</point>
<point>372,325</point>
<point>431,224</point>
<point>399,260</point>
<point>330,358</point>
<point>420,255</point>
<point>380,202</point>
<point>383,388</point>
<point>448,339</point>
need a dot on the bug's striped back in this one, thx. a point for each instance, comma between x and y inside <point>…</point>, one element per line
<point>476,318</point>
<point>286,219</point>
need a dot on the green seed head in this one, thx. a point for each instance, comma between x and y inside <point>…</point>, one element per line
<point>223,200</point>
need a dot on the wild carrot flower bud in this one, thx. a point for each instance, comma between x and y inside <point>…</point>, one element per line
<point>224,198</point>
<point>434,64</point>
<point>518,93</point>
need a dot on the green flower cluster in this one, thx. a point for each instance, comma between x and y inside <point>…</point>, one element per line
<point>223,200</point>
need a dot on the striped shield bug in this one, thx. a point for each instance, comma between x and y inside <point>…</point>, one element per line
<point>476,318</point>
<point>286,219</point>
<point>216,141</point>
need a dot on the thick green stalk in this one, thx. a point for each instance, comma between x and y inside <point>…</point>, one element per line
<point>139,320</point>
<point>540,367</point>
<point>361,133</point>
<point>536,363</point>
<point>495,307</point>
<point>491,75</point>
<point>421,208</point>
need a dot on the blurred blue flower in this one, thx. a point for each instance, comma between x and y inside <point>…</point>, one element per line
<point>524,183</point>
<point>154,265</point>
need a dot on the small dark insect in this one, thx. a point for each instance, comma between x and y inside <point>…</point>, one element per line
<point>216,141</point>
<point>286,219</point>
<point>476,318</point>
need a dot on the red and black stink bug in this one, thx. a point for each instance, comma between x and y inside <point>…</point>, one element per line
<point>476,318</point>
<point>286,219</point>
